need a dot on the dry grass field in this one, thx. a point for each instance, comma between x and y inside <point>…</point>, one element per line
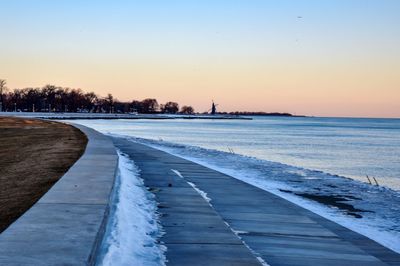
<point>34,154</point>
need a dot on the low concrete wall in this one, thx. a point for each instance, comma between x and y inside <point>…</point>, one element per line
<point>66,226</point>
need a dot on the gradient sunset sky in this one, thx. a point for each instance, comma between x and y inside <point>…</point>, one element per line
<point>316,57</point>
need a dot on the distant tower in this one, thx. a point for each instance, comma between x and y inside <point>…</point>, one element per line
<point>213,108</point>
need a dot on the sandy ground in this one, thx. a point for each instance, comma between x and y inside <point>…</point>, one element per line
<point>34,154</point>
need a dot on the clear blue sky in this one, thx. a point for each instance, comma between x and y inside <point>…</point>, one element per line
<point>298,56</point>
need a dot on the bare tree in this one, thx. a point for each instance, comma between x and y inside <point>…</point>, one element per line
<point>189,110</point>
<point>3,89</point>
<point>150,106</point>
<point>58,99</point>
<point>170,108</point>
<point>137,106</point>
<point>110,102</point>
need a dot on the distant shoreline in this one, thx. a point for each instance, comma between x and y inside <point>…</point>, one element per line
<point>156,116</point>
<point>73,116</point>
<point>263,114</point>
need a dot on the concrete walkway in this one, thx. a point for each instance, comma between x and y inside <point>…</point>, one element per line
<point>280,232</point>
<point>65,227</point>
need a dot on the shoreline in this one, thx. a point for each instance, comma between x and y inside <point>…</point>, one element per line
<point>349,209</point>
<point>274,227</point>
<point>87,116</point>
<point>228,198</point>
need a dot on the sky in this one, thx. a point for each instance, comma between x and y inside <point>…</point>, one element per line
<point>306,57</point>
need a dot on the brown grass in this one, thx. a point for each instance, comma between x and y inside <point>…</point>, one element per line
<point>34,154</point>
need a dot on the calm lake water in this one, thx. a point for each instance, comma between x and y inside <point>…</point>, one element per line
<point>350,147</point>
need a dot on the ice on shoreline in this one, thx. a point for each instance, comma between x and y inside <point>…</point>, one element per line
<point>381,206</point>
<point>132,230</point>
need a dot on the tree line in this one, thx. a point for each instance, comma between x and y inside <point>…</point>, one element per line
<point>59,99</point>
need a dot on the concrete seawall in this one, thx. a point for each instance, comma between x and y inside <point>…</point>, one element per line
<point>66,226</point>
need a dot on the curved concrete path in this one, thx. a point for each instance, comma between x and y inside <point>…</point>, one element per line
<point>65,227</point>
<point>280,232</point>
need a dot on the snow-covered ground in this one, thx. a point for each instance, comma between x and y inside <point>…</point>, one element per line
<point>380,220</point>
<point>133,228</point>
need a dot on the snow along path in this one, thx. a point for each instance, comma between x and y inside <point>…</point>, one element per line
<point>380,221</point>
<point>280,231</point>
<point>132,231</point>
<point>194,232</point>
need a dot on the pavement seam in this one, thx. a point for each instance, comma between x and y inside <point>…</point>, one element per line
<point>208,200</point>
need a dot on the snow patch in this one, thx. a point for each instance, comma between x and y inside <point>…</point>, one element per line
<point>177,173</point>
<point>263,262</point>
<point>201,192</point>
<point>238,233</point>
<point>133,228</point>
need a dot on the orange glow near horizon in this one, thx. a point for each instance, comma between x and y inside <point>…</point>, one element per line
<point>245,58</point>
